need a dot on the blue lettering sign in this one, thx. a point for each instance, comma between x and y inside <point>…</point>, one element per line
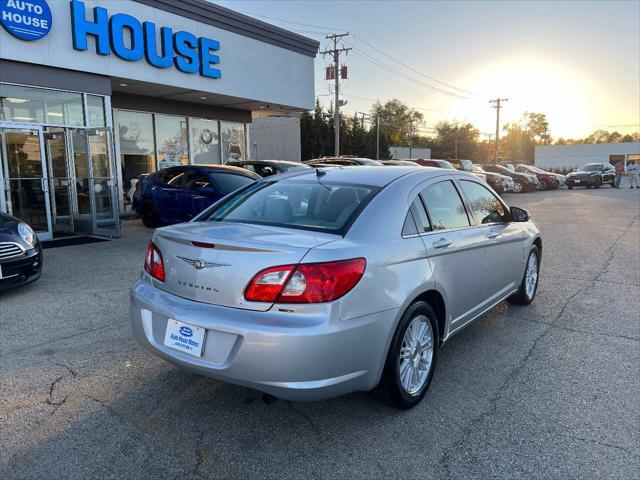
<point>25,19</point>
<point>130,40</point>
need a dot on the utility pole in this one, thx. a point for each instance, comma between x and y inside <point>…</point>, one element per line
<point>378,136</point>
<point>335,51</point>
<point>498,106</point>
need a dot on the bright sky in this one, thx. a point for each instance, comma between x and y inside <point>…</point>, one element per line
<point>577,61</point>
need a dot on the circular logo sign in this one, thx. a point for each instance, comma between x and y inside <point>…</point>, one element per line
<point>25,19</point>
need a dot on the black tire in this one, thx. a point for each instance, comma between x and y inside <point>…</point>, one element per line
<point>570,187</point>
<point>149,216</point>
<point>598,183</point>
<point>390,382</point>
<point>521,297</point>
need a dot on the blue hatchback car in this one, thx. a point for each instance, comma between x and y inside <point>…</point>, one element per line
<point>178,194</point>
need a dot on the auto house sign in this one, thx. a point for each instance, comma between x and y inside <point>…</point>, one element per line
<point>25,19</point>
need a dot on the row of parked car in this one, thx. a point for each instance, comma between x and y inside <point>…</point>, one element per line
<point>178,194</point>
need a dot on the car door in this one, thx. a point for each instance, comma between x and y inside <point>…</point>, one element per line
<point>198,193</point>
<point>456,250</point>
<point>166,193</point>
<point>505,239</point>
<point>608,174</point>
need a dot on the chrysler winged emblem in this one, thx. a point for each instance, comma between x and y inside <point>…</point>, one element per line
<point>199,264</point>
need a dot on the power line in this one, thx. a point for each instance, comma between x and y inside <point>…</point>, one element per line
<point>403,75</point>
<point>371,59</point>
<point>413,69</point>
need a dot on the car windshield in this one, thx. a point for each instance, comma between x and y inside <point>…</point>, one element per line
<point>467,165</point>
<point>590,167</point>
<point>444,164</point>
<point>307,205</point>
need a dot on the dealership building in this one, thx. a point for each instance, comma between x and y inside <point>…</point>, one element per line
<point>573,156</point>
<point>95,93</point>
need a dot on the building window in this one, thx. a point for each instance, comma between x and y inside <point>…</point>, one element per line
<point>205,141</point>
<point>95,111</point>
<point>137,151</point>
<point>171,141</point>
<point>233,141</point>
<point>38,105</point>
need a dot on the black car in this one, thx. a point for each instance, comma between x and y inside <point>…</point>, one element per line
<point>548,180</point>
<point>522,182</point>
<point>591,175</point>
<point>266,168</point>
<point>20,253</point>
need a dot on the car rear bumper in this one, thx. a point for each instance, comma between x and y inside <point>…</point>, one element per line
<point>299,357</point>
<point>21,270</point>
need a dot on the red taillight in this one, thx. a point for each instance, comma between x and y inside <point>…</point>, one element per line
<point>266,285</point>
<point>153,263</point>
<point>306,283</point>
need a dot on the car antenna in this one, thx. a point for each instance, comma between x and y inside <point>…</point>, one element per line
<point>320,173</point>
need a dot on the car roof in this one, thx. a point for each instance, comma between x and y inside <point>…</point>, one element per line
<point>215,168</point>
<point>363,175</point>
<point>256,162</point>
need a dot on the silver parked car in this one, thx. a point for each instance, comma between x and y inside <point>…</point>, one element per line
<point>321,282</point>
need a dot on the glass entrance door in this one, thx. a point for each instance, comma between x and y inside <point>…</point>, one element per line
<point>95,204</point>
<point>61,184</point>
<point>23,177</point>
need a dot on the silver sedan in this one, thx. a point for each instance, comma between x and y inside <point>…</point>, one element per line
<point>326,281</point>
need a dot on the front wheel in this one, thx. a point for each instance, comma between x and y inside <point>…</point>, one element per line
<point>598,183</point>
<point>412,355</point>
<point>529,285</point>
<point>570,187</point>
<point>517,187</point>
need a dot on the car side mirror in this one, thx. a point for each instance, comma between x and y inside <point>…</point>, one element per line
<point>519,214</point>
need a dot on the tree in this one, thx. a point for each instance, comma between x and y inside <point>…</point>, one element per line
<point>519,143</point>
<point>398,121</point>
<point>455,140</point>
<point>317,136</point>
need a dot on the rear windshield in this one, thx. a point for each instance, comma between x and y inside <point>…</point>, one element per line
<point>228,182</point>
<point>307,205</point>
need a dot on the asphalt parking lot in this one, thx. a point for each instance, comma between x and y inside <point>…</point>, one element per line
<point>546,391</point>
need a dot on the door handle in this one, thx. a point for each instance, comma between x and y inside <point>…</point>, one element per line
<point>442,243</point>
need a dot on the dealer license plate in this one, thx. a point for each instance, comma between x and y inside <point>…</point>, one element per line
<point>184,337</point>
<point>576,181</point>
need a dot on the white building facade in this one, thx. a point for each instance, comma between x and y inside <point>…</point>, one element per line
<point>574,156</point>
<point>95,93</point>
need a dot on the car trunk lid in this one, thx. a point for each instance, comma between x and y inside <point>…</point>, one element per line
<point>212,262</point>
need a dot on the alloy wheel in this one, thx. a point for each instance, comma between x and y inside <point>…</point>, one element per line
<point>531,276</point>
<point>416,355</point>
<point>517,187</point>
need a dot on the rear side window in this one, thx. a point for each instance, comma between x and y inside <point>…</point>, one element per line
<point>228,182</point>
<point>197,180</point>
<point>296,204</point>
<point>445,206</point>
<point>420,216</point>
<point>485,205</point>
<point>166,176</point>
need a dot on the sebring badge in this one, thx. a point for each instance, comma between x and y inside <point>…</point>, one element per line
<point>200,264</point>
